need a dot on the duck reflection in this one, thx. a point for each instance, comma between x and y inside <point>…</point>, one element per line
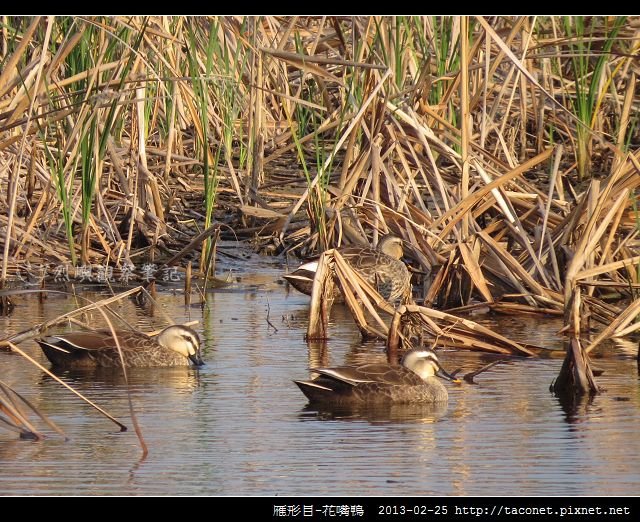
<point>180,378</point>
<point>425,413</point>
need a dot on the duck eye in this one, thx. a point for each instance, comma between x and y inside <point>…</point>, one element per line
<point>189,339</point>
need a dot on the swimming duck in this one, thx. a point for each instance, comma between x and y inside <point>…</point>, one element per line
<point>381,267</point>
<point>177,345</point>
<point>411,382</point>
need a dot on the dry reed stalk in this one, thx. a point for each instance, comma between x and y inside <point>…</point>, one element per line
<point>627,263</point>
<point>406,166</point>
<point>449,330</point>
<point>576,375</point>
<point>590,239</point>
<point>465,120</point>
<point>187,286</point>
<point>496,62</point>
<point>513,273</point>
<point>376,166</point>
<point>13,179</point>
<point>14,417</point>
<point>552,184</point>
<point>452,216</point>
<point>321,300</point>
<point>520,309</point>
<point>70,388</point>
<point>351,281</point>
<point>618,327</point>
<point>394,339</point>
<point>38,330</point>
<point>8,75</point>
<point>607,255</point>
<point>337,146</point>
<point>521,68</point>
<point>45,247</point>
<point>358,294</point>
<point>624,122</point>
<point>438,281</point>
<point>474,271</point>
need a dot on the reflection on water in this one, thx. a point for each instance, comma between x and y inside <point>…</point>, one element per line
<point>239,425</point>
<point>576,407</point>
<point>176,379</point>
<point>378,413</point>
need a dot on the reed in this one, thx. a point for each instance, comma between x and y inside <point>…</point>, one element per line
<point>56,163</point>
<point>203,146</point>
<point>461,135</point>
<point>589,45</point>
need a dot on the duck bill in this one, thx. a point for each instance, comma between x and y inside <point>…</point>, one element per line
<point>445,375</point>
<point>196,359</point>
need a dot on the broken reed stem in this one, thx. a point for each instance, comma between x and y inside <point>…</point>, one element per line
<point>321,300</point>
<point>187,285</point>
<point>72,390</point>
<point>445,160</point>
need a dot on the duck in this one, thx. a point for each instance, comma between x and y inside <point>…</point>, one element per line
<point>177,345</point>
<point>413,381</point>
<point>381,267</point>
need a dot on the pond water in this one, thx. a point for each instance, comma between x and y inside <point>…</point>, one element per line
<point>240,426</point>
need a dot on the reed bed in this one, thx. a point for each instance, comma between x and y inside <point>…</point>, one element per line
<point>503,150</point>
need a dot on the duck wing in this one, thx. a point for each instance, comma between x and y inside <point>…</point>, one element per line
<point>361,258</point>
<point>91,341</point>
<point>379,373</point>
<point>388,275</point>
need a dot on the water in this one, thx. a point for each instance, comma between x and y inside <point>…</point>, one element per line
<point>240,426</point>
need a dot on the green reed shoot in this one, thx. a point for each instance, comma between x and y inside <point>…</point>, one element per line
<point>56,158</point>
<point>91,129</point>
<point>201,100</point>
<point>90,158</point>
<point>588,65</point>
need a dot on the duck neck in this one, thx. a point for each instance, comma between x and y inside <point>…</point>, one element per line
<point>423,366</point>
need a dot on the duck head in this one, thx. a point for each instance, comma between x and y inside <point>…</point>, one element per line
<point>424,362</point>
<point>183,340</point>
<point>391,245</point>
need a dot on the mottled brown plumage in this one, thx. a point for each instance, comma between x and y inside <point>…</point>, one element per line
<point>412,382</point>
<point>382,268</point>
<point>176,345</point>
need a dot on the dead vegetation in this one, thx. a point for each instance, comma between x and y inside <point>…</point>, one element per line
<point>508,161</point>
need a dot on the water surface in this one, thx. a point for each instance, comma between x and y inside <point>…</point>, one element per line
<point>239,426</point>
